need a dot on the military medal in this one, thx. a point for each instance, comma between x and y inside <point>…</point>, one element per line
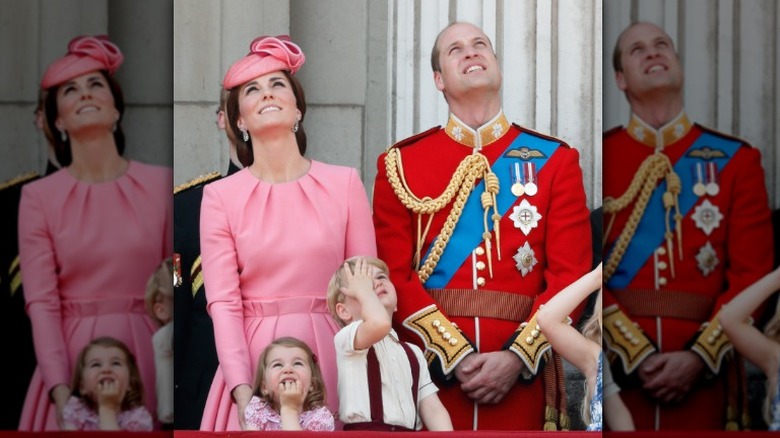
<point>530,178</point>
<point>177,279</point>
<point>699,189</point>
<point>525,259</point>
<point>712,179</point>
<point>517,178</point>
<point>525,216</point>
<point>707,216</point>
<point>707,259</point>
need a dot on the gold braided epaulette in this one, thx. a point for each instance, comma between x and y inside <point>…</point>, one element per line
<point>441,337</point>
<point>414,138</point>
<point>203,179</point>
<point>530,344</point>
<point>625,339</point>
<point>560,142</point>
<point>712,344</point>
<point>21,179</point>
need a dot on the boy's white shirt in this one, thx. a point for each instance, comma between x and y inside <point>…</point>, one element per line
<point>162,340</point>
<point>354,401</point>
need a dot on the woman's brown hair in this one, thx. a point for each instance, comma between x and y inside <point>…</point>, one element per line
<point>316,396</point>
<point>134,397</point>
<point>244,148</point>
<point>62,147</point>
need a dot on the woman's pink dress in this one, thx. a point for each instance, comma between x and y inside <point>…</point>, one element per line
<point>268,252</point>
<point>87,251</point>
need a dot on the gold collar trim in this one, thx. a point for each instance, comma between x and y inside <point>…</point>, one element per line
<point>483,136</point>
<point>658,138</point>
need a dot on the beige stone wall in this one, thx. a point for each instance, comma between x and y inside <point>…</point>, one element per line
<point>34,33</point>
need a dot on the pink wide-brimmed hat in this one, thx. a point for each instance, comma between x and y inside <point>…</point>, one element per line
<point>266,54</point>
<point>85,54</point>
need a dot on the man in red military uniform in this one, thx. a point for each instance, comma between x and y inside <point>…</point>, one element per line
<point>481,222</point>
<point>688,227</point>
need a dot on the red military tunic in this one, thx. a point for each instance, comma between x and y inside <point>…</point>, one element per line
<point>726,244</point>
<point>475,311</point>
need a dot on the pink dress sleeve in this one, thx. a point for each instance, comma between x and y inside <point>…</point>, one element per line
<point>318,420</point>
<point>135,420</point>
<point>220,274</point>
<point>39,275</point>
<point>361,239</point>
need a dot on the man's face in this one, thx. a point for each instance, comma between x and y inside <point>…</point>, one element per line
<point>467,61</point>
<point>649,61</point>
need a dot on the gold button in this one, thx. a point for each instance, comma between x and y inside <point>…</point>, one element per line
<point>662,265</point>
<point>523,324</point>
<point>441,329</point>
<point>661,250</point>
<point>711,340</point>
<point>480,265</point>
<point>453,341</point>
<point>436,323</point>
<point>629,336</point>
<point>480,281</point>
<point>635,341</point>
<point>480,250</point>
<point>446,336</point>
<point>535,333</point>
<point>716,333</point>
<point>529,340</point>
<point>662,281</point>
<point>537,327</point>
<point>618,323</point>
<point>623,329</point>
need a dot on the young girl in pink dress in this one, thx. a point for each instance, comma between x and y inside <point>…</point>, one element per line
<point>91,233</point>
<point>274,232</point>
<point>289,393</point>
<point>107,390</point>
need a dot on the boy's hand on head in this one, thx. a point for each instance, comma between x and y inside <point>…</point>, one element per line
<point>359,281</point>
<point>292,395</point>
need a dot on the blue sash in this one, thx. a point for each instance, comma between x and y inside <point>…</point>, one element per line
<point>650,231</point>
<point>468,231</point>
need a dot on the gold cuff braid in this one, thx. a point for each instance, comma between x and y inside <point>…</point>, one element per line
<point>712,345</point>
<point>625,339</point>
<point>530,344</point>
<point>440,335</point>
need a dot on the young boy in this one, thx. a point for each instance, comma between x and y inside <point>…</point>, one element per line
<point>159,305</point>
<point>383,384</point>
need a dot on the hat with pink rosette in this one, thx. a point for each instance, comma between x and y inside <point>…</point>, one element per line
<point>85,54</point>
<point>266,54</point>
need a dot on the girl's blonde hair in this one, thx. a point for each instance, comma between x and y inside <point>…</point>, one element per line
<point>134,397</point>
<point>316,396</point>
<point>337,281</point>
<point>591,330</point>
<point>155,287</point>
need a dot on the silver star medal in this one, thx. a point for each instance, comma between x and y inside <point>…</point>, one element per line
<point>525,259</point>
<point>707,216</point>
<point>525,216</point>
<point>707,259</point>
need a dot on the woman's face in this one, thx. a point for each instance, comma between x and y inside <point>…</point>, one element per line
<point>105,369</point>
<point>267,102</point>
<point>86,102</point>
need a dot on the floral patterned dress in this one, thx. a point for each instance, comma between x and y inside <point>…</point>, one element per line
<point>262,416</point>
<point>77,415</point>
<point>595,402</point>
